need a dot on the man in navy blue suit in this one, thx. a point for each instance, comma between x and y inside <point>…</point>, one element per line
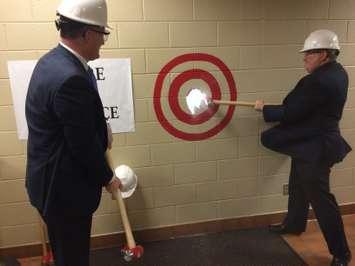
<point>68,136</point>
<point>308,131</point>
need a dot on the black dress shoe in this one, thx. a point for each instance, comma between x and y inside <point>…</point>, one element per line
<point>341,261</point>
<point>283,229</point>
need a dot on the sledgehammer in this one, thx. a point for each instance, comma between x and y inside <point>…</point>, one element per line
<point>131,250</point>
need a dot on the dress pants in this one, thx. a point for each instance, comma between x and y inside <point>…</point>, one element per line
<point>309,185</point>
<point>69,237</point>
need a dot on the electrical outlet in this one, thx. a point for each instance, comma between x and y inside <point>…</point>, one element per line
<point>285,189</point>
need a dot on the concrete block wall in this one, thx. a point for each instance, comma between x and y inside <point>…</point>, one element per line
<point>228,175</point>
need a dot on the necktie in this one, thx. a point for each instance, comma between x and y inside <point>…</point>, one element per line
<point>92,78</point>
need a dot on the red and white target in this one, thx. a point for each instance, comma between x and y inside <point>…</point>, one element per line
<point>175,88</point>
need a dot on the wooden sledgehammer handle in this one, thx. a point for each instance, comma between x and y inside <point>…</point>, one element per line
<point>131,243</point>
<point>241,103</point>
<point>43,236</point>
<point>47,256</point>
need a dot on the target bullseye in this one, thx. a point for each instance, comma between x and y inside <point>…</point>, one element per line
<point>174,91</point>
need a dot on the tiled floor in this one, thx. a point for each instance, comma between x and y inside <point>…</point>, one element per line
<point>310,245</point>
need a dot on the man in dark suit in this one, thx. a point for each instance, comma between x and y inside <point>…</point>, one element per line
<point>68,137</point>
<point>308,131</point>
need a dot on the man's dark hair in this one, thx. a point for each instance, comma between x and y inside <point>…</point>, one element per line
<point>332,54</point>
<point>69,28</point>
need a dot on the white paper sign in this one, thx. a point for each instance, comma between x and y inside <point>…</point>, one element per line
<point>114,81</point>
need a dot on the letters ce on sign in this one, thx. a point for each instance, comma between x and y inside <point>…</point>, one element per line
<point>114,81</point>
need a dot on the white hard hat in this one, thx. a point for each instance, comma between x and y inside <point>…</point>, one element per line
<point>321,39</point>
<point>92,12</point>
<point>128,180</point>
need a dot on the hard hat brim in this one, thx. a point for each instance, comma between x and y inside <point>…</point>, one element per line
<point>325,48</point>
<point>128,193</point>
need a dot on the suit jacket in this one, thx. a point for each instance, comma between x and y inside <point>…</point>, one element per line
<point>309,117</point>
<point>66,166</point>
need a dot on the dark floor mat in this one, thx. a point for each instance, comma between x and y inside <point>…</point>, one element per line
<point>9,261</point>
<point>252,247</point>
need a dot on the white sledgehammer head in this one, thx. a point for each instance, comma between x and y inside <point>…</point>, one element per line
<point>197,101</point>
<point>128,180</point>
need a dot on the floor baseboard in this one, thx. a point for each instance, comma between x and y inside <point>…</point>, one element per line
<point>164,233</point>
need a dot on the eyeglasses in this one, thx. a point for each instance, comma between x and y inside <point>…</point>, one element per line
<point>105,34</point>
